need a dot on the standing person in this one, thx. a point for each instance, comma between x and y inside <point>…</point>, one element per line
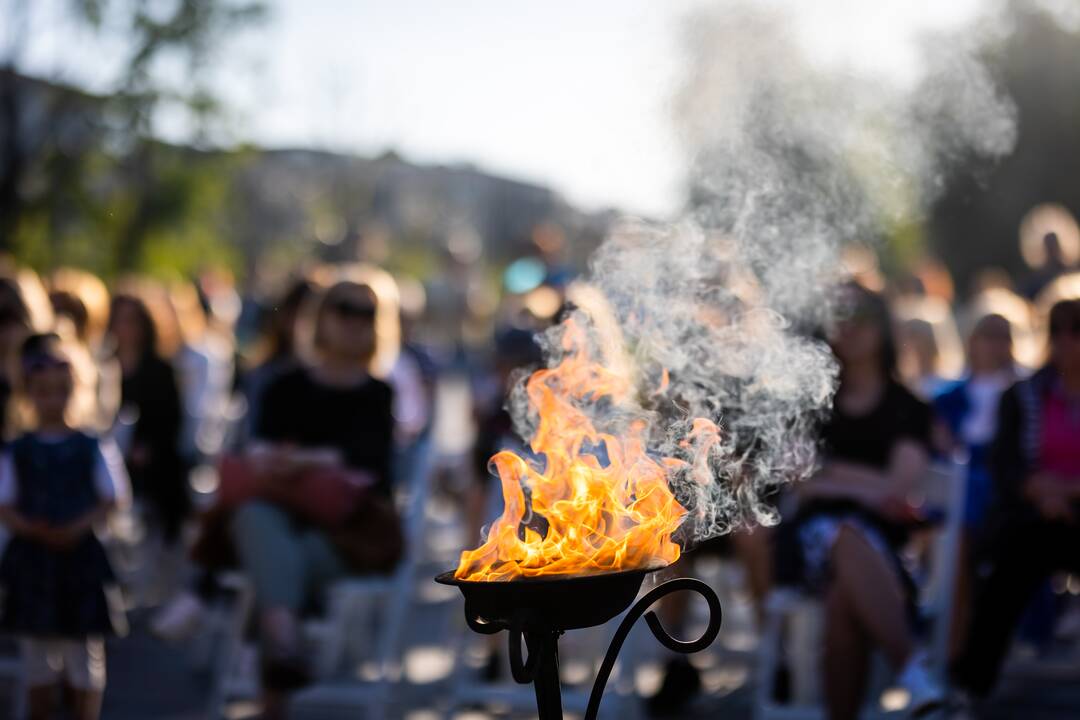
<point>844,540</point>
<point>56,485</point>
<point>81,299</point>
<point>331,413</point>
<point>24,309</point>
<point>1032,530</point>
<point>150,415</point>
<point>969,411</point>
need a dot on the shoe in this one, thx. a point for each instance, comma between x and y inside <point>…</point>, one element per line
<point>925,692</point>
<point>284,670</point>
<point>492,670</point>
<point>681,685</point>
<point>179,619</point>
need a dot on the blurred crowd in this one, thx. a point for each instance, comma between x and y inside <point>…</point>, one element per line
<point>161,435</point>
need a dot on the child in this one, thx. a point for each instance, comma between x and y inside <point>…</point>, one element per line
<point>56,485</point>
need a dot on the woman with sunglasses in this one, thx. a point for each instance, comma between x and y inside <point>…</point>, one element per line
<point>1033,529</point>
<point>843,542</point>
<point>331,413</point>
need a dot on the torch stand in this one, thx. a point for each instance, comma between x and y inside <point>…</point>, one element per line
<point>540,625</point>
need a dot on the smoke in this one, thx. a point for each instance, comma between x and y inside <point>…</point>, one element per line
<point>790,163</point>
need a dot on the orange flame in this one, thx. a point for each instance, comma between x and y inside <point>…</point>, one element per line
<point>577,515</point>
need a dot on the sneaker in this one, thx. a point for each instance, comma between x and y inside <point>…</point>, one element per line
<point>925,692</point>
<point>179,619</point>
<point>681,685</point>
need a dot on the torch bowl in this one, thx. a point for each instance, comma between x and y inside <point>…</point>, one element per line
<point>552,603</point>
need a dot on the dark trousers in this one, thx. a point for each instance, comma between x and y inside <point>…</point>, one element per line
<point>1023,551</point>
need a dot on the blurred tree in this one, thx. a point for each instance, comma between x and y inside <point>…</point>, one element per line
<point>975,223</point>
<point>81,176</point>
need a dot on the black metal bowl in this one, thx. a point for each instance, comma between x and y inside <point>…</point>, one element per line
<point>556,602</point>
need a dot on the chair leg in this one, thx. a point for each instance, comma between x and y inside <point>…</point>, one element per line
<point>232,646</point>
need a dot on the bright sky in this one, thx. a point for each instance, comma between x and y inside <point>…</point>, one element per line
<point>567,93</point>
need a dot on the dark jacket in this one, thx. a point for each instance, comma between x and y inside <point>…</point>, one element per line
<point>1014,454</point>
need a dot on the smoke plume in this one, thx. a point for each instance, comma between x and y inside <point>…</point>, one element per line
<point>789,164</point>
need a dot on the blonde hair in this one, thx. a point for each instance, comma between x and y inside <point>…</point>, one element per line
<point>931,318</point>
<point>1027,350</point>
<point>387,315</point>
<point>1042,220</point>
<point>89,290</point>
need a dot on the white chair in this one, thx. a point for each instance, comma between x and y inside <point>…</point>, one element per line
<point>328,637</point>
<point>349,601</point>
<point>792,636</point>
<point>235,671</point>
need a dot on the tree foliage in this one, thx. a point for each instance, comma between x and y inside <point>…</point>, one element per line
<point>83,179</point>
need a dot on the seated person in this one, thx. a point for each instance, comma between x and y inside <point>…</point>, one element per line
<point>1031,530</point>
<point>843,542</point>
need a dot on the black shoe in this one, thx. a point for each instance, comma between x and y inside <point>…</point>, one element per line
<point>681,685</point>
<point>285,671</point>
<point>492,671</point>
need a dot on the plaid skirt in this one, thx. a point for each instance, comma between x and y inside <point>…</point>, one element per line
<point>50,593</point>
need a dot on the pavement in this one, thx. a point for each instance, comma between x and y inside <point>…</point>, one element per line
<point>149,678</point>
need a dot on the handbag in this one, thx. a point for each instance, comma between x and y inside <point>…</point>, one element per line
<point>325,496</point>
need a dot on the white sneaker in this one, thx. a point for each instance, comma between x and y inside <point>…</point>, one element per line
<point>179,619</point>
<point>925,692</point>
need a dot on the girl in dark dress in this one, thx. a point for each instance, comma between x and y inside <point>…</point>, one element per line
<point>843,542</point>
<point>56,485</point>
<point>150,415</point>
<point>330,412</point>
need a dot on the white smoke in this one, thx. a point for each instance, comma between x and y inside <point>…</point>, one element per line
<point>790,164</point>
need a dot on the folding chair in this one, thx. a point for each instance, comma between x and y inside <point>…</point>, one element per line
<point>350,599</point>
<point>797,619</point>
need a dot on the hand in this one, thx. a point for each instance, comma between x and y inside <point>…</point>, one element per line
<point>898,509</point>
<point>63,537</point>
<point>1050,496</point>
<point>1055,508</point>
<point>139,456</point>
<point>36,530</point>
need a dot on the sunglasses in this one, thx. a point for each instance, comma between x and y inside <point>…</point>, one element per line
<point>352,309</point>
<point>38,362</point>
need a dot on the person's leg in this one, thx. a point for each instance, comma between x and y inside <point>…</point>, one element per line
<point>846,657</point>
<point>873,593</point>
<point>84,666</point>
<point>271,553</point>
<point>1014,570</point>
<point>320,565</point>
<point>754,549</point>
<point>40,703</point>
<point>322,562</point>
<point>40,676</point>
<point>961,609</point>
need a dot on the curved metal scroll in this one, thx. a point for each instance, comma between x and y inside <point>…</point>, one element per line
<point>639,608</point>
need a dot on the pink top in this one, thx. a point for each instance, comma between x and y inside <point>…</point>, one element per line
<point>1060,442</point>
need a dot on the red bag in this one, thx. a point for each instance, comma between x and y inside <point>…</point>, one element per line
<point>325,496</point>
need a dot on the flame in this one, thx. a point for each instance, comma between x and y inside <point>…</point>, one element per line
<point>572,512</point>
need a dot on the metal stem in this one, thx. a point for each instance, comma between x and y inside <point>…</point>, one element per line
<point>545,645</point>
<point>541,667</point>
